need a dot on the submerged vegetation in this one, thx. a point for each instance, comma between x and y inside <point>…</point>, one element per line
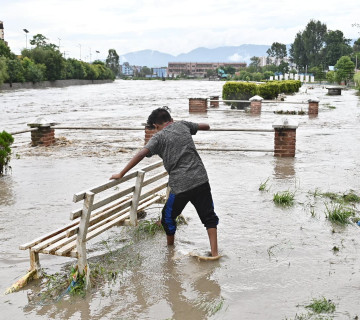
<point>285,198</point>
<point>321,305</point>
<point>6,140</point>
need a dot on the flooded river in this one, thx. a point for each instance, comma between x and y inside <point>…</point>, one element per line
<point>275,260</point>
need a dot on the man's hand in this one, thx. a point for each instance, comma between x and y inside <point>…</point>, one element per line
<point>116,176</point>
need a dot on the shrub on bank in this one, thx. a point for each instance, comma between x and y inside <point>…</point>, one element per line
<point>6,140</point>
<point>244,90</point>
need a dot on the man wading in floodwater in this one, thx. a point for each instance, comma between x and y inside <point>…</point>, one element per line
<point>188,179</point>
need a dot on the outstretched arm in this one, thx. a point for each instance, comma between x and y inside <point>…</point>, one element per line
<point>203,126</point>
<point>132,163</point>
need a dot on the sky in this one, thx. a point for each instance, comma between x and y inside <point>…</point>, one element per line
<point>82,27</point>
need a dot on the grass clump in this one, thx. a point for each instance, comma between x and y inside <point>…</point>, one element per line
<point>321,305</point>
<point>148,228</point>
<point>342,198</point>
<point>263,186</point>
<point>285,198</point>
<point>339,214</point>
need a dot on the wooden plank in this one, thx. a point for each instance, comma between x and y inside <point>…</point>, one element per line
<point>82,233</point>
<point>152,166</point>
<point>93,230</point>
<point>99,217</point>
<point>152,191</point>
<point>108,223</point>
<point>81,195</point>
<point>57,245</point>
<point>154,178</point>
<point>77,213</point>
<point>136,197</point>
<point>112,183</point>
<point>55,242</point>
<point>47,236</point>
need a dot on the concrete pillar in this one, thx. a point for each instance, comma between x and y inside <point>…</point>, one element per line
<point>285,138</point>
<point>45,135</point>
<point>313,106</point>
<point>148,134</point>
<point>197,104</point>
<point>214,104</point>
<point>255,104</point>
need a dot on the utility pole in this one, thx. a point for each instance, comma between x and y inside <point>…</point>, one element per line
<point>59,43</point>
<point>26,32</point>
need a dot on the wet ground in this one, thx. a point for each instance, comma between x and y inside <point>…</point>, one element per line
<point>275,259</point>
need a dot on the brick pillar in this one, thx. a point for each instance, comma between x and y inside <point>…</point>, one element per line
<point>214,104</point>
<point>45,135</point>
<point>255,104</point>
<point>285,138</point>
<point>313,106</point>
<point>197,104</point>
<point>148,134</point>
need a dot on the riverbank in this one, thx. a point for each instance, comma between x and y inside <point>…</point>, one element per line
<point>50,84</point>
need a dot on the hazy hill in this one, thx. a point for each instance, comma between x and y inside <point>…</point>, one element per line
<point>152,58</point>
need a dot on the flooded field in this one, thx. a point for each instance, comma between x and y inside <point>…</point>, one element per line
<point>276,260</point>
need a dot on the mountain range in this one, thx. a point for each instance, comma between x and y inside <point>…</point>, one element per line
<point>153,58</point>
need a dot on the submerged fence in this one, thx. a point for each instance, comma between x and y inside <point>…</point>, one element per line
<point>43,134</point>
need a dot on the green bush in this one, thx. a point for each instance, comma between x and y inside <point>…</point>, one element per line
<point>233,90</point>
<point>6,139</point>
<point>238,91</point>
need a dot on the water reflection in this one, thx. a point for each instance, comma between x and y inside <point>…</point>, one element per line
<point>7,196</point>
<point>284,168</point>
<point>194,298</point>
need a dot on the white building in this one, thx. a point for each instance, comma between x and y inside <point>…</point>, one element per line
<point>2,31</point>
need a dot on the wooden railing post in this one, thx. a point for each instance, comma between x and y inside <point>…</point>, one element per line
<point>136,197</point>
<point>81,237</point>
<point>35,264</point>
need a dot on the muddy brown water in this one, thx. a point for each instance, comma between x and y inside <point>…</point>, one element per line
<point>275,260</point>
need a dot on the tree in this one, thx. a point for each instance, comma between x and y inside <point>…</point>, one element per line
<point>254,64</point>
<point>277,51</point>
<point>344,69</point>
<point>3,70</point>
<point>112,61</point>
<point>5,51</point>
<point>33,72</point>
<point>210,73</point>
<point>330,76</point>
<point>307,46</point>
<point>51,58</point>
<point>229,70</point>
<point>15,71</point>
<point>336,46</point>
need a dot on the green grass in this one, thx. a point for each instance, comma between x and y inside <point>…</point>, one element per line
<point>285,198</point>
<point>263,186</point>
<point>339,214</point>
<point>342,198</point>
<point>321,305</point>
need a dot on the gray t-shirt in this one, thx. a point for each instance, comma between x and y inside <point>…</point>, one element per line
<point>174,144</point>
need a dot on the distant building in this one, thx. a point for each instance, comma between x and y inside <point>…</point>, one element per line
<point>266,60</point>
<point>127,70</point>
<point>198,69</point>
<point>160,72</point>
<point>2,31</point>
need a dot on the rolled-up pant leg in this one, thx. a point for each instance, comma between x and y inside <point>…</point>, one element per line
<point>172,209</point>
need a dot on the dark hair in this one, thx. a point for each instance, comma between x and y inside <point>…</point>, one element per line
<point>158,116</point>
